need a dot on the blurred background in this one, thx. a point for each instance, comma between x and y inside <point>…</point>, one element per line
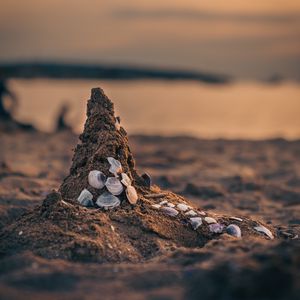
<point>212,69</point>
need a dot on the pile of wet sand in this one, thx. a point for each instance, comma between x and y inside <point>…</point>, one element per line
<point>62,228</point>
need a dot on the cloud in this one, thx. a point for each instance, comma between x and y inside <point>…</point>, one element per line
<point>206,16</point>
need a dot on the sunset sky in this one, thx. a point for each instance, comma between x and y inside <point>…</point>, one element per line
<point>246,39</point>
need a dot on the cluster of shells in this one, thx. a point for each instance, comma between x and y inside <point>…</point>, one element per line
<point>114,186</point>
<point>198,218</point>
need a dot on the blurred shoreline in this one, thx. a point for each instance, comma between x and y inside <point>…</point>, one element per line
<point>31,70</point>
<point>240,110</point>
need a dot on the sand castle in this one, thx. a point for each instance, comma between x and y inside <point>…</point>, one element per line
<point>105,211</point>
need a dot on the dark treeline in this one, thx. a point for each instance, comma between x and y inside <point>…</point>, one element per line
<point>85,71</point>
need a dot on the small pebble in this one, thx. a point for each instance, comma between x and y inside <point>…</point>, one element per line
<point>196,222</point>
<point>20,232</point>
<point>210,220</point>
<point>170,204</point>
<point>147,180</point>
<point>202,213</point>
<point>182,207</point>
<point>172,212</point>
<point>234,230</point>
<point>216,228</point>
<point>191,213</point>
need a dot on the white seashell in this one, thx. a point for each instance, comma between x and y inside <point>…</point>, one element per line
<point>264,230</point>
<point>210,220</point>
<point>96,179</point>
<point>216,228</point>
<point>107,200</point>
<point>196,222</point>
<point>170,204</point>
<point>236,219</point>
<point>182,207</point>
<point>114,185</point>
<point>115,166</point>
<point>234,230</point>
<point>170,211</point>
<point>85,198</point>
<point>125,179</point>
<point>163,202</point>
<point>131,194</point>
<point>191,213</point>
<point>156,206</point>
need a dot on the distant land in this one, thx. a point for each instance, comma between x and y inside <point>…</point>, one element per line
<point>107,72</point>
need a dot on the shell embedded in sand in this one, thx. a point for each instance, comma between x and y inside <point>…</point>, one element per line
<point>210,220</point>
<point>236,219</point>
<point>163,202</point>
<point>114,185</point>
<point>234,230</point>
<point>107,200</point>
<point>156,206</point>
<point>216,228</point>
<point>115,166</point>
<point>182,207</point>
<point>85,198</point>
<point>125,179</point>
<point>191,213</point>
<point>131,194</point>
<point>264,230</point>
<point>96,179</point>
<point>170,211</point>
<point>196,222</point>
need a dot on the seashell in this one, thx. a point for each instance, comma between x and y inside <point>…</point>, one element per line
<point>196,222</point>
<point>107,200</point>
<point>191,213</point>
<point>118,123</point>
<point>131,194</point>
<point>115,166</point>
<point>202,213</point>
<point>170,211</point>
<point>163,202</point>
<point>234,230</point>
<point>114,185</point>
<point>85,198</point>
<point>125,179</point>
<point>170,204</point>
<point>182,207</point>
<point>264,230</point>
<point>236,219</point>
<point>216,228</point>
<point>96,179</point>
<point>147,179</point>
<point>210,220</point>
<point>156,206</point>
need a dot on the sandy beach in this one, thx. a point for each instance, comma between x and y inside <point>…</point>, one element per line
<point>257,179</point>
